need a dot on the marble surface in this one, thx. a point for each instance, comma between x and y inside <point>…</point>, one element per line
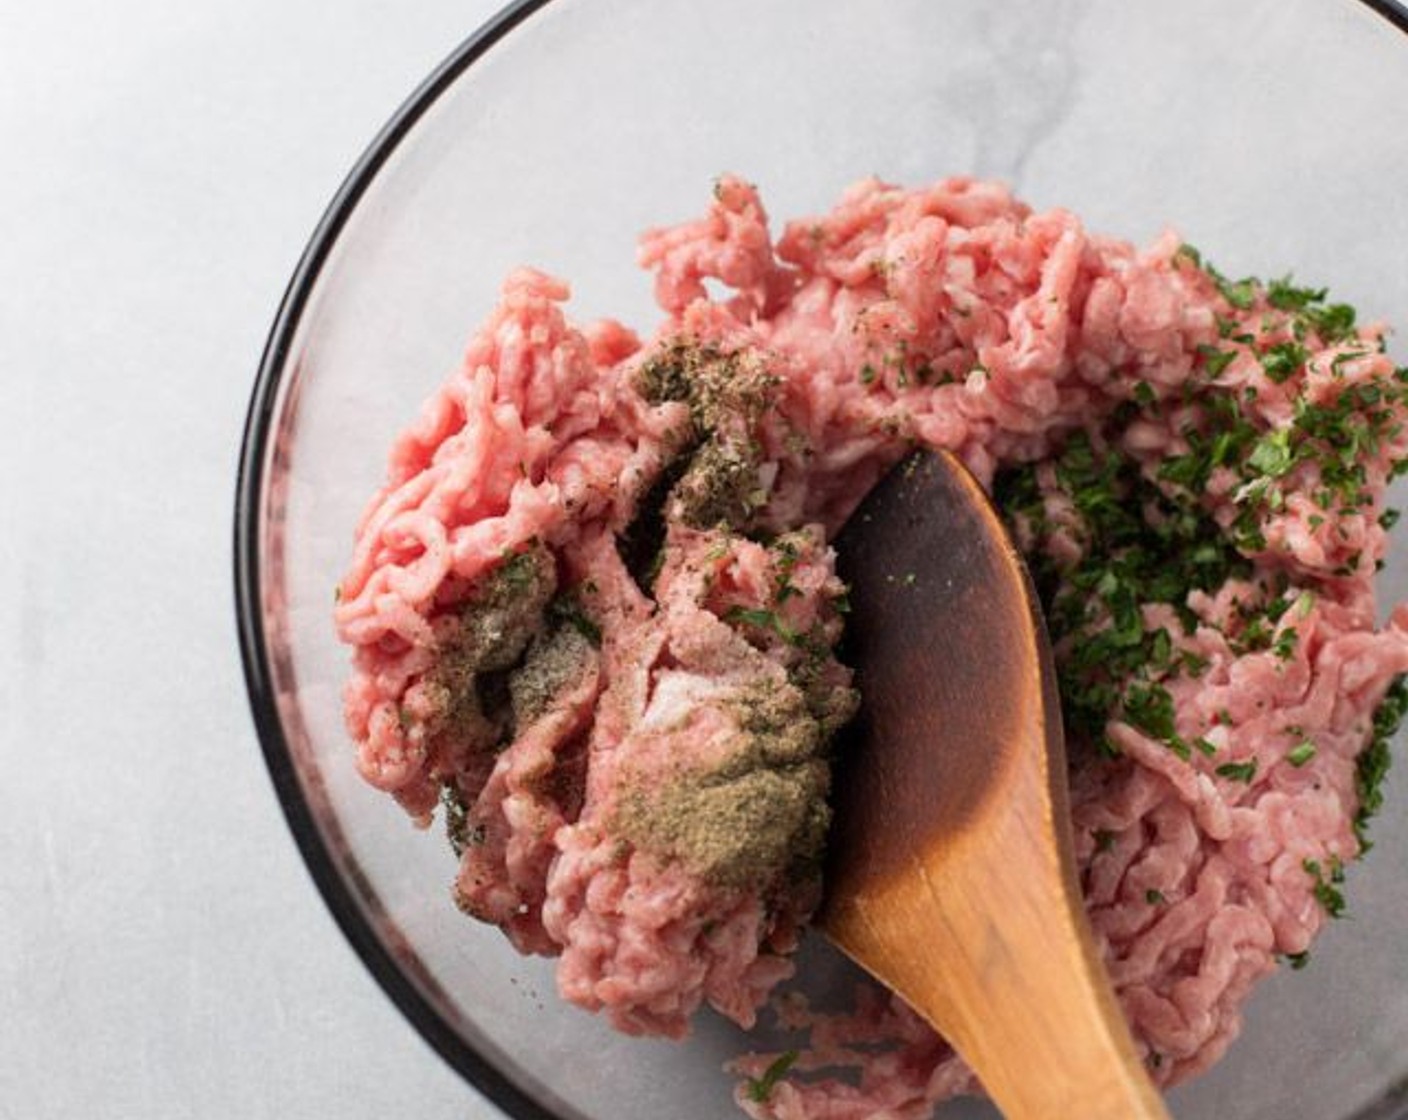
<point>162,950</point>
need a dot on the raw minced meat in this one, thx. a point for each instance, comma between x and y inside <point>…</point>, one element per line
<point>594,611</point>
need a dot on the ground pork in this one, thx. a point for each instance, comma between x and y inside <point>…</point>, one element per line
<point>594,613</point>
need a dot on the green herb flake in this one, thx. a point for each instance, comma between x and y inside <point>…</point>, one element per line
<point>1241,294</point>
<point>1333,322</point>
<point>765,620</point>
<point>1188,254</point>
<point>1373,764</point>
<point>1282,361</point>
<point>1284,646</point>
<point>1327,885</point>
<point>1301,753</point>
<point>752,616</point>
<point>1160,648</point>
<point>1154,897</point>
<point>1238,771</point>
<point>759,1089</point>
<point>1148,543</point>
<point>1194,664</point>
<point>1215,360</point>
<point>1285,296</point>
<point>1149,708</point>
<point>1272,456</point>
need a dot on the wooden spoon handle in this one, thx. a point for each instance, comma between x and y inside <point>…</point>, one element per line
<point>951,876</point>
<point>1022,997</point>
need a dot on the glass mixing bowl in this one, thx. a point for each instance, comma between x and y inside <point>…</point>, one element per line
<point>1268,133</point>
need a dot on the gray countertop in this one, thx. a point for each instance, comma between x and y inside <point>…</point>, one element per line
<point>162,950</point>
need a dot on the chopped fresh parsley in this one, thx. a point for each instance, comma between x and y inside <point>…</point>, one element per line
<point>1238,771</point>
<point>753,616</point>
<point>1284,645</point>
<point>1194,664</point>
<point>1241,294</point>
<point>1306,308</point>
<point>1301,753</point>
<point>1283,360</point>
<point>1189,254</point>
<point>1142,544</point>
<point>1149,708</point>
<point>1327,885</point>
<point>764,619</point>
<point>1285,296</point>
<point>1215,360</point>
<point>1333,322</point>
<point>1271,456</point>
<point>1134,535</point>
<point>759,1089</point>
<point>1373,764</point>
<point>788,554</point>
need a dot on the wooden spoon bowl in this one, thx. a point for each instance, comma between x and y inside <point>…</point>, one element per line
<point>952,877</point>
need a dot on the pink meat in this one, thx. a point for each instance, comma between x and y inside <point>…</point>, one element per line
<point>954,317</point>
<point>643,937</point>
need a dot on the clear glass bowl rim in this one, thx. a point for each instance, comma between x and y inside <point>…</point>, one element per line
<point>260,428</point>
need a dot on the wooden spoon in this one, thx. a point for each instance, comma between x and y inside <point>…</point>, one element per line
<point>952,878</point>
